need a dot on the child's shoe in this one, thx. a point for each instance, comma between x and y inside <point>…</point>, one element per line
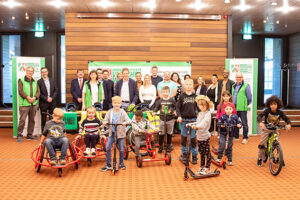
<point>200,170</point>
<point>244,141</point>
<point>230,163</point>
<point>183,157</point>
<point>205,171</point>
<point>259,162</point>
<point>169,148</point>
<point>123,167</point>
<point>62,162</point>
<point>160,149</point>
<point>106,167</point>
<point>87,151</point>
<point>93,151</point>
<point>53,162</point>
<point>194,160</point>
<point>218,160</point>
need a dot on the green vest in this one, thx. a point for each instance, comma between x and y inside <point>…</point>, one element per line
<point>26,89</point>
<point>88,95</point>
<point>241,99</point>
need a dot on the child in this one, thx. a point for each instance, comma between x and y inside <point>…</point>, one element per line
<point>139,125</point>
<point>226,98</point>
<point>272,116</point>
<point>202,126</point>
<point>165,105</point>
<point>55,130</point>
<point>186,109</point>
<point>91,126</point>
<point>229,119</point>
<point>116,115</point>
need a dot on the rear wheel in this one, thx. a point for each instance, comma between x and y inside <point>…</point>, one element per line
<point>224,165</point>
<point>139,161</point>
<point>276,160</point>
<point>126,152</point>
<point>168,158</point>
<point>40,158</point>
<point>59,172</point>
<point>89,161</point>
<point>73,155</point>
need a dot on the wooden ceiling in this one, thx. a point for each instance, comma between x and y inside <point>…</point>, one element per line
<point>53,18</point>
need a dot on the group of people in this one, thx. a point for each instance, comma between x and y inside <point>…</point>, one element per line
<point>179,102</point>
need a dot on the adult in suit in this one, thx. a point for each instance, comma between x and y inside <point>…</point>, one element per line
<point>108,90</point>
<point>126,88</point>
<point>76,88</point>
<point>48,94</point>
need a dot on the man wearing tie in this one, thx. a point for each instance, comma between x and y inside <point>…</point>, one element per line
<point>76,88</point>
<point>48,94</point>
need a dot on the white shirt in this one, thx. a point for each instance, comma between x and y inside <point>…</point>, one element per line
<point>101,81</point>
<point>94,90</point>
<point>148,94</point>
<point>125,91</point>
<point>47,84</point>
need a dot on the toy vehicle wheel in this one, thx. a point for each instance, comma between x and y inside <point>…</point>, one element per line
<point>59,172</point>
<point>73,155</point>
<point>224,165</point>
<point>139,161</point>
<point>216,171</point>
<point>186,176</point>
<point>89,161</point>
<point>168,158</point>
<point>41,157</point>
<point>126,152</point>
<point>275,160</point>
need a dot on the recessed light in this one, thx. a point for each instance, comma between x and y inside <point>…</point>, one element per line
<point>242,7</point>
<point>285,26</point>
<point>227,1</point>
<point>26,16</point>
<point>2,21</point>
<point>11,3</point>
<point>265,21</point>
<point>274,3</point>
<point>13,17</point>
<point>178,0</point>
<point>58,3</point>
<point>277,22</point>
<point>150,4</point>
<point>105,3</point>
<point>198,5</point>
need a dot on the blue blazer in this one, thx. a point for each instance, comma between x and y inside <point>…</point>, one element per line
<point>133,92</point>
<point>76,91</point>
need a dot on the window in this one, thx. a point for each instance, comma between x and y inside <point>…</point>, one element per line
<point>272,67</point>
<point>62,69</point>
<point>11,46</point>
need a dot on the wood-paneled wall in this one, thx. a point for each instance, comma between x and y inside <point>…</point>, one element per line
<point>202,42</point>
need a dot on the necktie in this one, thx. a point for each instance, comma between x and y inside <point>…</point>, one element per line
<point>80,83</point>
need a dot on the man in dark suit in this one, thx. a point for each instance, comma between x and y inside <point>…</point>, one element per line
<point>48,94</point>
<point>108,86</point>
<point>76,88</point>
<point>126,88</point>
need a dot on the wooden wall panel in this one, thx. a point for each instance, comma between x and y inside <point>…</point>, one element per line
<point>202,42</point>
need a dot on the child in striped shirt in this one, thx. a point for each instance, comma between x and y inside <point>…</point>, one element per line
<point>91,126</point>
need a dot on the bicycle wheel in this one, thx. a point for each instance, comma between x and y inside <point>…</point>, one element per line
<point>275,160</point>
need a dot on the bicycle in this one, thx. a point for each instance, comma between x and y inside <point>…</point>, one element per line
<point>273,151</point>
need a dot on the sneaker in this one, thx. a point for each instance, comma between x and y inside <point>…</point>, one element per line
<point>259,162</point>
<point>105,168</point>
<point>244,141</point>
<point>31,138</point>
<point>283,164</point>
<point>218,160</point>
<point>160,149</point>
<point>183,157</point>
<point>194,160</point>
<point>19,140</point>
<point>93,151</point>
<point>123,167</point>
<point>62,162</point>
<point>205,171</point>
<point>53,162</point>
<point>87,151</point>
<point>169,148</point>
<point>199,171</point>
<point>230,163</point>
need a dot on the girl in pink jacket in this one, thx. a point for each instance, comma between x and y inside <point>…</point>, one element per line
<point>226,98</point>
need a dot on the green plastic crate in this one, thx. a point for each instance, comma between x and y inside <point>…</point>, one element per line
<point>70,119</point>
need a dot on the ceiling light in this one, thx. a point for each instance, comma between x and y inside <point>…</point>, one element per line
<point>285,25</point>
<point>26,16</point>
<point>265,21</point>
<point>58,3</point>
<point>105,3</point>
<point>226,1</point>
<point>2,21</point>
<point>150,4</point>
<point>277,22</point>
<point>242,7</point>
<point>285,8</point>
<point>11,3</point>
<point>274,3</point>
<point>198,5</point>
<point>178,0</point>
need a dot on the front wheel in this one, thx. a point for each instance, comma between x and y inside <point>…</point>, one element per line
<point>139,161</point>
<point>126,152</point>
<point>275,160</point>
<point>168,158</point>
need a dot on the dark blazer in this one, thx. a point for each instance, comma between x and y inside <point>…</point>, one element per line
<point>44,94</point>
<point>202,90</point>
<point>228,87</point>
<point>133,92</point>
<point>108,87</point>
<point>76,91</point>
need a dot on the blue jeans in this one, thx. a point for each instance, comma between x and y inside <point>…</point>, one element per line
<point>222,144</point>
<point>243,116</point>
<point>53,143</point>
<point>184,131</point>
<point>109,144</point>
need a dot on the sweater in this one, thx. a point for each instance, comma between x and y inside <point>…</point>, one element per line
<point>203,125</point>
<point>186,106</point>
